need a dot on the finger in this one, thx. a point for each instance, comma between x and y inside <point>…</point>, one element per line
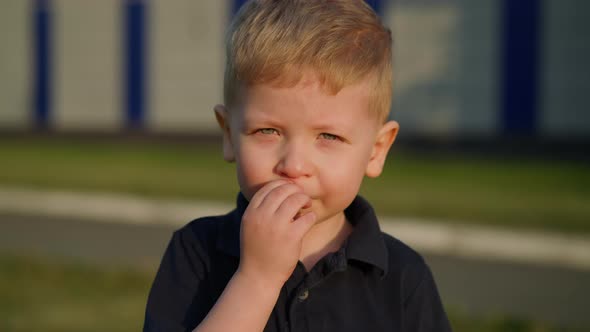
<point>259,196</point>
<point>303,224</point>
<point>307,205</point>
<point>292,205</point>
<point>275,198</point>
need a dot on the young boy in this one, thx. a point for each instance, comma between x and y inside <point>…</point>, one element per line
<point>307,94</point>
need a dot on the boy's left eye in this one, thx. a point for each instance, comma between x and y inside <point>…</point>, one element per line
<point>329,137</point>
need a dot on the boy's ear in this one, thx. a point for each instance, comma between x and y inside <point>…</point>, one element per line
<point>222,117</point>
<point>385,138</point>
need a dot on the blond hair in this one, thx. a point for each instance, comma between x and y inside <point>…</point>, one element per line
<point>343,42</point>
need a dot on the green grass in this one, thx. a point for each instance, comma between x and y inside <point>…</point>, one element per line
<point>40,294</point>
<point>37,294</point>
<point>536,194</point>
<point>463,323</point>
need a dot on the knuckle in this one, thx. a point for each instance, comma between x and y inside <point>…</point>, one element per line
<point>301,197</point>
<point>296,200</point>
<point>284,189</point>
<point>271,185</point>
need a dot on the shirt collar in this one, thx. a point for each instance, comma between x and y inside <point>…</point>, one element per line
<point>364,244</point>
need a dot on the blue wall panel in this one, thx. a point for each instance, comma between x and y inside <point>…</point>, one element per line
<point>42,63</point>
<point>135,62</point>
<point>520,67</point>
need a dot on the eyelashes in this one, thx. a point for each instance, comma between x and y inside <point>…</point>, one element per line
<point>267,131</point>
<point>330,137</point>
<point>273,131</point>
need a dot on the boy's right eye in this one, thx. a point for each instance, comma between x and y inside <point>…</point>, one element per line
<point>267,131</point>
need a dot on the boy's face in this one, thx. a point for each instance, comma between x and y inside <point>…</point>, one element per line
<point>323,143</point>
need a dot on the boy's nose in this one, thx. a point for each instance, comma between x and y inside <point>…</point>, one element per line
<point>294,162</point>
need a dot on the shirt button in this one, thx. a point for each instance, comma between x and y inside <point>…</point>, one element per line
<point>304,295</point>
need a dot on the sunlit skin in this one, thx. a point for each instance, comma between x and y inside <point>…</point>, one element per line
<point>304,152</point>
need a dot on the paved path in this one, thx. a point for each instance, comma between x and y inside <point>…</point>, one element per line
<point>445,239</point>
<point>477,286</point>
<point>479,269</point>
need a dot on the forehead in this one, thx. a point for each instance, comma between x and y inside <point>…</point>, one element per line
<point>307,101</point>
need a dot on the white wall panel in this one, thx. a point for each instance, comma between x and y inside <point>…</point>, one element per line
<point>87,69</point>
<point>15,64</point>
<point>565,69</point>
<point>187,61</point>
<point>479,68</point>
<point>445,70</point>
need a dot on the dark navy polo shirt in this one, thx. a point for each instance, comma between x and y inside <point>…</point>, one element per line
<point>373,283</point>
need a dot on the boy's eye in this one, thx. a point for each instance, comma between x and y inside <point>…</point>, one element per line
<point>268,131</point>
<point>329,137</point>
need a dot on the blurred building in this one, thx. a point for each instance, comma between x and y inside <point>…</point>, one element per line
<point>463,68</point>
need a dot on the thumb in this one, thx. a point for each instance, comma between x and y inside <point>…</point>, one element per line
<point>304,223</point>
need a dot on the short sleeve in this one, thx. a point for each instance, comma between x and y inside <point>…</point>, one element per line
<point>177,280</point>
<point>423,308</point>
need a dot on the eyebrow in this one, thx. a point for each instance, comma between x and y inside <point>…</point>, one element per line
<point>260,121</point>
<point>259,116</point>
<point>331,128</point>
<point>324,126</point>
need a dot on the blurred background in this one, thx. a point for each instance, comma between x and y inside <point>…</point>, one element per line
<point>108,143</point>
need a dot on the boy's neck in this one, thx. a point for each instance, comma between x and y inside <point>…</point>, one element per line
<point>323,238</point>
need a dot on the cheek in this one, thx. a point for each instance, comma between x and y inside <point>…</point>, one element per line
<point>343,175</point>
<point>339,180</point>
<point>254,170</point>
<point>339,190</point>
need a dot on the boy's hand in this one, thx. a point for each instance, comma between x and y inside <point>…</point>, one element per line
<point>270,237</point>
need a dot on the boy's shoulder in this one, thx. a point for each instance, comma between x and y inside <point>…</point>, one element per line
<point>206,226</point>
<point>399,253</point>
<point>211,233</point>
<point>407,267</point>
<point>367,233</point>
